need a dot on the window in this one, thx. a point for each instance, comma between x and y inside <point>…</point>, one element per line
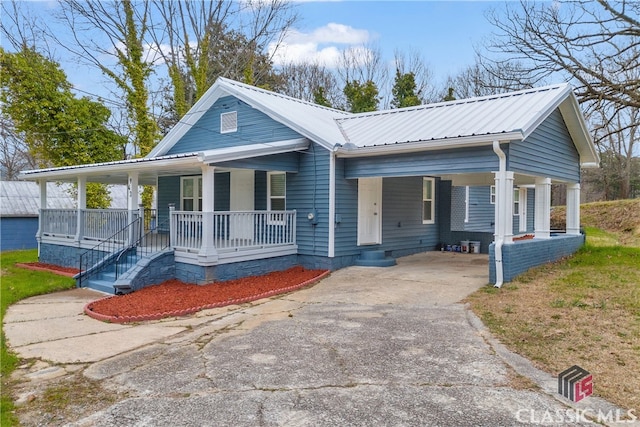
<point>277,191</point>
<point>428,201</point>
<point>516,199</point>
<point>229,122</point>
<point>191,193</point>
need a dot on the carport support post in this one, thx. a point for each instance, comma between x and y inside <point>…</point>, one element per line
<point>208,254</point>
<point>543,208</point>
<point>573,209</point>
<point>504,206</point>
<point>82,206</point>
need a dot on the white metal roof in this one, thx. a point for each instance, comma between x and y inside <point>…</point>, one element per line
<point>22,198</point>
<point>310,120</point>
<point>475,121</point>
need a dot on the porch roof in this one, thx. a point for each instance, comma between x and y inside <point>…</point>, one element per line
<point>150,168</point>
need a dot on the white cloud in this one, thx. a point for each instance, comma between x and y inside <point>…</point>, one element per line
<point>322,45</point>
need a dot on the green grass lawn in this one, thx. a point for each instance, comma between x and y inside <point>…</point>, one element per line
<point>582,310</point>
<point>16,284</point>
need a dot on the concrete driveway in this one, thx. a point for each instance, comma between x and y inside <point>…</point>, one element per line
<point>364,347</point>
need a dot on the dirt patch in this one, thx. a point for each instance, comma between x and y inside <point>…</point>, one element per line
<point>63,400</point>
<point>56,269</point>
<point>175,298</point>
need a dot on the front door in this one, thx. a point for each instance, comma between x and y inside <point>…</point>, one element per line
<point>241,199</point>
<point>369,211</point>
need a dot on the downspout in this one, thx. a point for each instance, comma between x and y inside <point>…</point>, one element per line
<point>332,203</point>
<point>500,214</point>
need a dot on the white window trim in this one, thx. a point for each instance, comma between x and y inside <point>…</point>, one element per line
<point>516,201</point>
<point>466,204</point>
<point>231,115</point>
<point>196,192</point>
<point>523,210</point>
<point>276,219</point>
<point>432,200</point>
<point>492,195</point>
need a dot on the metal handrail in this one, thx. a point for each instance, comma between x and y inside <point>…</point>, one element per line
<point>149,243</point>
<point>96,259</point>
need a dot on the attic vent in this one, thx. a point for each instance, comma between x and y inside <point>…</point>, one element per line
<point>229,122</point>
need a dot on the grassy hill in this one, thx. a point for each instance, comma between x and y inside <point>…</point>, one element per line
<point>620,219</point>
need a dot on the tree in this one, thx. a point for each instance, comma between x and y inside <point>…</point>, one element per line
<point>202,40</point>
<point>311,82</point>
<point>361,97</point>
<point>404,91</point>
<point>484,78</point>
<point>14,152</point>
<point>362,69</point>
<point>117,30</point>
<point>58,128</point>
<point>592,43</point>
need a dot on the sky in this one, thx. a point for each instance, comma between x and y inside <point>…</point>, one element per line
<point>444,33</point>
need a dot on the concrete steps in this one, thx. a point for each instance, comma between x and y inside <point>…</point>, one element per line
<point>104,281</point>
<point>375,258</point>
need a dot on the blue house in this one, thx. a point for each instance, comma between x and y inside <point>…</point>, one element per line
<point>251,181</point>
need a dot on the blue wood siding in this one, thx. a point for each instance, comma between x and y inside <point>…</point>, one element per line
<point>168,192</point>
<point>475,159</point>
<point>18,233</point>
<point>260,190</point>
<point>308,190</point>
<point>253,127</point>
<point>548,152</point>
<point>531,209</point>
<point>346,232</point>
<point>402,227</point>
<point>481,211</point>
<point>222,191</point>
<point>458,207</point>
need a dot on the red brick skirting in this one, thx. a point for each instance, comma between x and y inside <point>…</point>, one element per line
<point>88,309</point>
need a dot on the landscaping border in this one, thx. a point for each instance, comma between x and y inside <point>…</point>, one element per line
<point>177,313</point>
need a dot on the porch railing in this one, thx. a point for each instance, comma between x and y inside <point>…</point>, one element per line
<point>238,230</point>
<point>103,224</point>
<point>59,222</point>
<point>95,224</point>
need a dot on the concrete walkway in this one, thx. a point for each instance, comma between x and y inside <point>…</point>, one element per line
<point>366,346</point>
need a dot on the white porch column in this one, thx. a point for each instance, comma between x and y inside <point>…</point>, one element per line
<point>573,209</point>
<point>504,206</point>
<point>543,208</point>
<point>82,206</point>
<point>132,204</point>
<point>208,254</point>
<point>43,205</point>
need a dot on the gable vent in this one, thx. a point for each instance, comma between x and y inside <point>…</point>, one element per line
<point>229,122</point>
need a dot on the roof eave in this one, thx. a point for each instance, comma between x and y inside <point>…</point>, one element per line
<point>88,170</point>
<point>255,150</point>
<point>431,145</point>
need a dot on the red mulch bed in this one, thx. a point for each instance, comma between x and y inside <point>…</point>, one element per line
<point>175,298</point>
<point>41,266</point>
<point>525,237</point>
